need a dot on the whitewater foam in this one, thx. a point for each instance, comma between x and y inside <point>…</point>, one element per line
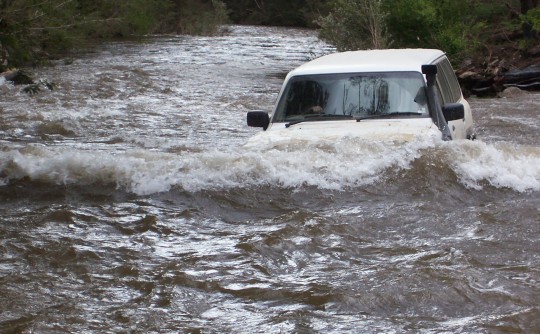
<point>322,164</point>
<point>502,165</point>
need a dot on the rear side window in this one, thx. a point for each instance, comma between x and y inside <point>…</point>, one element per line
<point>447,81</point>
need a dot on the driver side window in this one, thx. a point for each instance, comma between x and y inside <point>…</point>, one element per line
<point>304,95</point>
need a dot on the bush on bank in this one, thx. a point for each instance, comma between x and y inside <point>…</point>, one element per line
<point>460,27</point>
<point>297,13</point>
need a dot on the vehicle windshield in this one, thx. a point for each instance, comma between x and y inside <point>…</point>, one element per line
<point>352,95</point>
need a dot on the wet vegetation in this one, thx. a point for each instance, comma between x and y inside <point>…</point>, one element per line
<point>491,36</point>
<point>460,27</point>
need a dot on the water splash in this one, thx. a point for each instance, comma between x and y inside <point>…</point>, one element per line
<point>501,165</point>
<point>331,165</point>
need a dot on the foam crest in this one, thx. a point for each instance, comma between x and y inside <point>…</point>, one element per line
<point>322,164</point>
<point>337,165</point>
<point>502,165</point>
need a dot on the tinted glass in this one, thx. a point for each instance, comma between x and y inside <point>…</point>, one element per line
<point>447,81</point>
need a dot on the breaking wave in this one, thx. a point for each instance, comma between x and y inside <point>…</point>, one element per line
<point>337,165</point>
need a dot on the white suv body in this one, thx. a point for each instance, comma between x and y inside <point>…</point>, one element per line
<point>394,94</point>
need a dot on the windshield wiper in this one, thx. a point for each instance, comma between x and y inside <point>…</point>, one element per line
<point>318,117</point>
<point>392,114</point>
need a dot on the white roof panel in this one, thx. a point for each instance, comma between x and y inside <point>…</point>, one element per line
<point>370,61</point>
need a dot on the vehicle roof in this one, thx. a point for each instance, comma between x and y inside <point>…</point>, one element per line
<point>390,60</point>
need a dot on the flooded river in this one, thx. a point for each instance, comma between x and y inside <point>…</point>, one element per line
<point>129,204</point>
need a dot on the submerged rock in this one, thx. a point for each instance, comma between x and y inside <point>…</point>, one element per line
<point>512,92</point>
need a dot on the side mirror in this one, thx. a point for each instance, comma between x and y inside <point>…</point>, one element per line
<point>258,119</point>
<point>453,111</point>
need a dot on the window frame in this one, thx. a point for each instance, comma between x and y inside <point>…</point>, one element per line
<point>447,82</point>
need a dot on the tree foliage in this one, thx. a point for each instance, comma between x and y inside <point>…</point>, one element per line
<point>533,17</point>
<point>298,13</point>
<point>355,24</point>
<point>459,27</point>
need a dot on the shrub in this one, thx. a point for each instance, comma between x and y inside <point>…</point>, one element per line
<point>355,24</point>
<point>362,24</point>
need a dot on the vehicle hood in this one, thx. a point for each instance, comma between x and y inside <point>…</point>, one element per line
<point>395,130</point>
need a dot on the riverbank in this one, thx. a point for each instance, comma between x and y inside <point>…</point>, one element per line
<point>502,64</point>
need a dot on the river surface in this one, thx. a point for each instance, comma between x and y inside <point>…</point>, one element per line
<point>129,204</point>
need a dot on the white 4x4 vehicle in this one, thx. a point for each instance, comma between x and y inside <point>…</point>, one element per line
<point>395,94</point>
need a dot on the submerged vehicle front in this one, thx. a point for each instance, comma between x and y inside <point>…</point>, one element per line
<point>379,94</point>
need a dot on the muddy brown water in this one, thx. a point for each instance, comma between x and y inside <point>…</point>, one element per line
<point>128,203</point>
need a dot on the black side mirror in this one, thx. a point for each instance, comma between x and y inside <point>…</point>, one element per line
<point>258,119</point>
<point>453,111</point>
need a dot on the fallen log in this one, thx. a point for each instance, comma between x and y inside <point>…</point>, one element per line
<point>527,78</point>
<point>484,83</point>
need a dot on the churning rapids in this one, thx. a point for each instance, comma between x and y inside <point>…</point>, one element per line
<point>129,203</point>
